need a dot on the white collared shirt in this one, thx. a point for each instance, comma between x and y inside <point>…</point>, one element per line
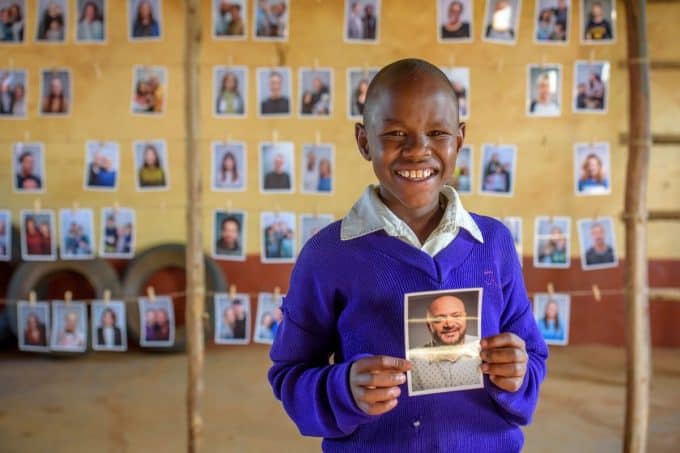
<point>369,214</point>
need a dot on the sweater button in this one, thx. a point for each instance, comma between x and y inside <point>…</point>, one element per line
<point>416,424</point>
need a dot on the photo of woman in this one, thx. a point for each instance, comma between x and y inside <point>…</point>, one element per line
<point>150,83</point>
<point>157,318</point>
<point>498,169</point>
<point>13,94</point>
<point>56,92</point>
<point>13,22</point>
<point>109,331</point>
<point>37,243</point>
<point>150,158</point>
<point>101,165</point>
<point>454,20</point>
<point>117,233</point>
<point>230,85</point>
<point>551,242</point>
<point>90,27</point>
<point>317,168</point>
<point>591,86</point>
<point>145,19</point>
<point>552,313</point>
<point>232,320</point>
<point>33,324</point>
<point>228,19</point>
<point>52,23</point>
<point>357,81</point>
<point>592,168</point>
<point>5,235</point>
<point>229,166</point>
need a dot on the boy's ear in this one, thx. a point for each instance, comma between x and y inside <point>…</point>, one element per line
<point>460,137</point>
<point>361,137</point>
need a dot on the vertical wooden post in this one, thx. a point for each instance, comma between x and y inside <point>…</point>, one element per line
<point>638,367</point>
<point>194,251</point>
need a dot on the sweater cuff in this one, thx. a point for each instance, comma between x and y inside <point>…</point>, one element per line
<point>348,415</point>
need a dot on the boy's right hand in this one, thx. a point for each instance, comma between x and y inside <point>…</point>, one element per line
<point>375,382</point>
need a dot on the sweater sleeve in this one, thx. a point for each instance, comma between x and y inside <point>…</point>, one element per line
<point>517,317</point>
<point>315,394</point>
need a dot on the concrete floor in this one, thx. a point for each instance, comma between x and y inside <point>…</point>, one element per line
<point>134,402</point>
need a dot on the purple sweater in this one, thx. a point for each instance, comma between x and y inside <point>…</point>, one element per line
<point>346,299</point>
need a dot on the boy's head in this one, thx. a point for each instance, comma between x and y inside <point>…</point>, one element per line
<point>411,133</point>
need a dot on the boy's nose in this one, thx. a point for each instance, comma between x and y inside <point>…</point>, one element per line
<point>417,145</point>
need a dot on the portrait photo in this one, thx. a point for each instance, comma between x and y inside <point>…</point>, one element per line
<point>232,318</point>
<point>268,318</point>
<point>56,92</point>
<point>552,21</point>
<point>38,235</point>
<point>454,20</point>
<point>229,166</point>
<point>362,21</point>
<point>357,88</point>
<point>597,243</point>
<point>460,81</point>
<point>501,21</point>
<point>230,85</point>
<point>271,19</point>
<point>91,25</point>
<point>13,98</point>
<point>14,19</point>
<point>118,231</point>
<point>274,91</point>
<point>69,326</point>
<point>442,332</point>
<point>544,90</point>
<point>145,19</point>
<point>514,225</point>
<point>109,330</point>
<point>316,88</point>
<point>551,312</point>
<point>76,227</point>
<point>598,21</point>
<point>51,21</point>
<point>316,168</point>
<point>498,169</point>
<point>461,179</point>
<point>552,241</point>
<point>591,86</point>
<point>592,167</point>
<point>102,165</point>
<point>310,224</point>
<point>151,165</point>
<point>278,237</point>
<point>33,326</point>
<point>29,167</point>
<point>277,167</point>
<point>5,235</point>
<point>157,318</point>
<point>150,88</point>
<point>229,19</point>
<point>229,235</point>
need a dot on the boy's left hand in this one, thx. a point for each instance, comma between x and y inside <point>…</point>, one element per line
<point>504,359</point>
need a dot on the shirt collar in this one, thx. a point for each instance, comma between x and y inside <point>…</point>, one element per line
<point>369,214</point>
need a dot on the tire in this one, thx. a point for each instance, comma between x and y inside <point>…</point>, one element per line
<point>144,266</point>
<point>30,276</point>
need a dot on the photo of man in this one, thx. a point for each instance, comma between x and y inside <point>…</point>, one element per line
<point>454,19</point>
<point>33,326</point>
<point>232,319</point>
<point>271,18</point>
<point>157,318</point>
<point>229,19</point>
<point>317,166</point>
<point>5,235</point>
<point>117,233</point>
<point>278,237</point>
<point>229,235</point>
<point>597,19</point>
<point>109,331</point>
<point>552,313</point>
<point>361,19</point>
<point>316,87</point>
<point>551,242</point>
<point>597,242</point>
<point>77,234</point>
<point>442,333</point>
<point>274,91</point>
<point>69,322</point>
<point>102,161</point>
<point>13,94</point>
<point>544,90</point>
<point>277,167</point>
<point>269,317</point>
<point>501,21</point>
<point>37,235</point>
<point>30,167</point>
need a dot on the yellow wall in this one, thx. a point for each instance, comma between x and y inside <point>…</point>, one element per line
<point>544,183</point>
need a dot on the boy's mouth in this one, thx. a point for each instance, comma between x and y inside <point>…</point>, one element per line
<point>417,175</point>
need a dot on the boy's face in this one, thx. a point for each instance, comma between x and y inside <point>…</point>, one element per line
<point>412,137</point>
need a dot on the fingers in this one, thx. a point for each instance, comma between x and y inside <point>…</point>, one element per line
<point>377,395</point>
<point>504,355</point>
<point>509,384</point>
<point>381,362</point>
<point>374,382</point>
<point>377,408</point>
<point>385,379</point>
<point>510,370</point>
<point>503,340</point>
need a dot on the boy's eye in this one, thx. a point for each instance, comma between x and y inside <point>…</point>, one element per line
<point>437,133</point>
<point>395,133</point>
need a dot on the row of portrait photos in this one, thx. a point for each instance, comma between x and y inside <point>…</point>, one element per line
<point>271,21</point>
<point>277,168</point>
<point>274,90</point>
<point>278,236</point>
<point>66,330</point>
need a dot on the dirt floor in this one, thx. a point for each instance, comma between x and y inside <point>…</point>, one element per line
<point>134,402</point>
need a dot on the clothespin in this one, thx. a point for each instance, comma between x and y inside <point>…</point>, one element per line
<point>277,210</point>
<point>232,291</point>
<point>230,60</point>
<point>591,57</point>
<point>75,206</point>
<point>452,60</point>
<point>277,292</point>
<point>32,298</point>
<point>229,205</point>
<point>37,206</point>
<point>500,65</point>
<point>500,140</point>
<point>68,295</point>
<point>316,63</point>
<point>596,293</point>
<point>551,288</point>
<point>151,293</point>
<point>228,139</point>
<point>27,136</point>
<point>317,211</point>
<point>97,71</point>
<point>275,136</point>
<point>596,214</point>
<point>116,206</point>
<point>11,64</point>
<point>107,296</point>
<point>317,138</point>
<point>365,69</point>
<point>543,61</point>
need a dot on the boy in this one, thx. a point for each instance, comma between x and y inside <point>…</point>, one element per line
<point>408,234</point>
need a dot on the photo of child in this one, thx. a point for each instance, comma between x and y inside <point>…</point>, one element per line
<point>597,21</point>
<point>52,21</point>
<point>552,242</point>
<point>544,90</point>
<point>77,234</point>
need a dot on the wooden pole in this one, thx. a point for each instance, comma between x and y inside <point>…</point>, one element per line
<point>638,369</point>
<point>194,251</point>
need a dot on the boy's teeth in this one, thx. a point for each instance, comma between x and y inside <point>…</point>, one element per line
<point>416,174</point>
<point>419,174</point>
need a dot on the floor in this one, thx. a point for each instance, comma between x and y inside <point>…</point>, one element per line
<point>134,402</point>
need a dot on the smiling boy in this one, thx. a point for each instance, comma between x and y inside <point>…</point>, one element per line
<point>410,233</point>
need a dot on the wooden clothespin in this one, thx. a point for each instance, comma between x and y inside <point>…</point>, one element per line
<point>32,297</point>
<point>452,60</point>
<point>228,139</point>
<point>27,136</point>
<point>229,205</point>
<point>499,65</point>
<point>68,296</point>
<point>230,60</point>
<point>544,140</point>
<point>75,206</point>
<point>591,57</point>
<point>116,206</point>
<point>97,71</point>
<point>543,61</point>
<point>316,63</point>
<point>107,296</point>
<point>37,205</point>
<point>277,210</point>
<point>596,293</point>
<point>232,291</point>
<point>151,293</point>
<point>317,138</point>
<point>500,140</point>
<point>551,288</point>
<point>11,64</point>
<point>277,292</point>
<point>365,68</point>
<point>275,136</point>
<point>317,211</point>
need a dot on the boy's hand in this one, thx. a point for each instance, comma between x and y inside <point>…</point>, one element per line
<point>504,359</point>
<point>375,382</point>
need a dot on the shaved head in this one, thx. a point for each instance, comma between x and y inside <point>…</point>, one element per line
<point>408,70</point>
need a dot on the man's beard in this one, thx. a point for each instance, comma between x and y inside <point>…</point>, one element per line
<point>439,342</point>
